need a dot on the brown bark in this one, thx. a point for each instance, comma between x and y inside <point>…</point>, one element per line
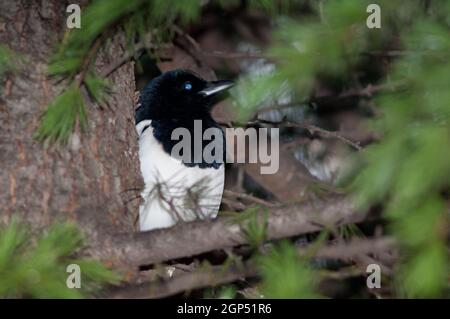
<point>217,275</point>
<point>87,180</point>
<point>190,239</point>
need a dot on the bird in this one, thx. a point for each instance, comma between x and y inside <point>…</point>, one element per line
<point>176,189</point>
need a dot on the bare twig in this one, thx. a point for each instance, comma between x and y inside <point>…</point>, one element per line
<point>191,40</point>
<point>234,55</point>
<point>322,132</point>
<point>219,54</point>
<point>212,276</point>
<point>401,53</point>
<point>311,128</point>
<point>216,275</point>
<point>249,197</point>
<point>129,55</point>
<point>79,79</point>
<point>368,91</point>
<point>238,206</point>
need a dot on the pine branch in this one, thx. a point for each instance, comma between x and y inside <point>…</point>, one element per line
<point>190,239</point>
<point>249,198</point>
<point>79,79</point>
<point>218,275</point>
<point>310,127</point>
<point>367,92</point>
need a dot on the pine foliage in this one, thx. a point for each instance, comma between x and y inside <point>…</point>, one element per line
<point>35,266</point>
<point>407,171</point>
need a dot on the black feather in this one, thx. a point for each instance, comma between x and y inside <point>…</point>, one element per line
<point>167,103</point>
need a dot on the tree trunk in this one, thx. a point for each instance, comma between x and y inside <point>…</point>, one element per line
<point>87,181</point>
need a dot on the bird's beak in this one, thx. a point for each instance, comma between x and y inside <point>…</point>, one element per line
<point>215,87</point>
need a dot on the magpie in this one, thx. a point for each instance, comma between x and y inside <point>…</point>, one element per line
<point>177,189</point>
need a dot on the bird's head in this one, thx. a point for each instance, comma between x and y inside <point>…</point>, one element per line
<point>178,94</point>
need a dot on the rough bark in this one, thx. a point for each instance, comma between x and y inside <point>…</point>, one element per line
<point>217,275</point>
<point>87,180</point>
<point>190,239</point>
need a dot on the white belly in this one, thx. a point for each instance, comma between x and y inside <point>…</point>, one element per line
<point>174,192</point>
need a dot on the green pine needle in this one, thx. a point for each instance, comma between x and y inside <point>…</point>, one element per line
<point>409,168</point>
<point>61,116</point>
<point>286,275</point>
<point>35,266</point>
<point>97,87</point>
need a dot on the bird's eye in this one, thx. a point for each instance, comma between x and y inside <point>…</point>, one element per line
<point>187,86</point>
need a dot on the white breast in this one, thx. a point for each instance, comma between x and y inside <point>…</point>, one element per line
<point>174,192</point>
